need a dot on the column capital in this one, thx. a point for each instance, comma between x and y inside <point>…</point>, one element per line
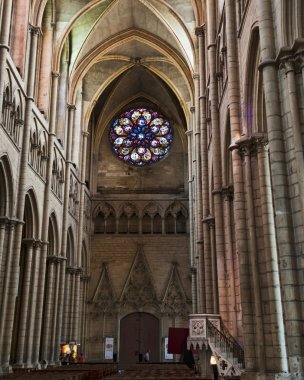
<point>210,220</point>
<point>35,30</point>
<point>227,192</point>
<point>55,74</point>
<point>38,244</point>
<point>196,76</point>
<point>189,132</point>
<point>29,242</point>
<point>85,133</point>
<point>200,30</point>
<point>192,109</point>
<point>288,64</point>
<point>71,107</point>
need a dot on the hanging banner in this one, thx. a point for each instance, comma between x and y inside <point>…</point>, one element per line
<point>109,346</point>
<point>167,355</point>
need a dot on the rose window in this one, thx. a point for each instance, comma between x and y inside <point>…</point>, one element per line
<point>141,137</point>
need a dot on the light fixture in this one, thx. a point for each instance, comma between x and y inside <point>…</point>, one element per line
<point>212,360</point>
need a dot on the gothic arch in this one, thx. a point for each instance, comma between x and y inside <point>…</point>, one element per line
<point>53,236</point>
<point>31,216</point>
<point>6,187</point>
<point>84,258</point>
<point>70,250</point>
<point>226,153</point>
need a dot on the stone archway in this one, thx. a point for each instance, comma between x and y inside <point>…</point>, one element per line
<point>138,332</point>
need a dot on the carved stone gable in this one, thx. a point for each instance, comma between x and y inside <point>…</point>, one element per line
<point>139,289</point>
<point>175,302</point>
<point>104,299</point>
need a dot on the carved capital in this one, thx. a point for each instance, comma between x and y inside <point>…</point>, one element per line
<point>288,64</point>
<point>227,192</point>
<point>35,30</point>
<point>28,242</point>
<point>71,107</point>
<point>210,220</point>
<point>55,74</point>
<point>200,30</point>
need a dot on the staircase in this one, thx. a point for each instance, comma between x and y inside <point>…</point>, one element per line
<point>209,331</point>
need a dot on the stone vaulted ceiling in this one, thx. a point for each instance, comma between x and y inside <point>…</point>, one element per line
<point>121,53</point>
<point>145,47</point>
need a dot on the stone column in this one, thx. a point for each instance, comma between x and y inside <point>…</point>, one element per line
<point>67,297</point>
<point>62,290</point>
<point>76,311</point>
<point>55,344</point>
<point>3,241</point>
<point>28,360</point>
<point>72,304</point>
<point>84,278</point>
<point>274,302</point>
<point>238,180</point>
<point>214,308</point>
<point>256,333</point>
<point>190,180</point>
<point>227,193</point>
<point>198,193</point>
<point>48,308</point>
<point>288,64</point>
<point>279,180</point>
<point>61,295</point>
<point>5,293</point>
<point>45,220</point>
<point>27,251</point>
<point>216,158</point>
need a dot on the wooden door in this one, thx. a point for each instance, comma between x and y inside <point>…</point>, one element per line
<point>138,332</point>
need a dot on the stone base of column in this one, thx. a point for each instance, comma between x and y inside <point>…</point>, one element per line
<point>18,365</point>
<point>266,376</point>
<point>4,370</point>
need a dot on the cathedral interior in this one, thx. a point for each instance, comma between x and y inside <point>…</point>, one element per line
<point>152,180</point>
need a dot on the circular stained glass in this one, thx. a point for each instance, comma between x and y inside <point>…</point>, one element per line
<point>141,137</point>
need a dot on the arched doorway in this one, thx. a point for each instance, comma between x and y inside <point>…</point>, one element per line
<point>138,332</point>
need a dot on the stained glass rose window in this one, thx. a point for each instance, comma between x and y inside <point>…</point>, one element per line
<point>141,137</point>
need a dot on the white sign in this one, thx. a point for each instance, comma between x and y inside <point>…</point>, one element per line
<point>109,346</point>
<point>167,355</point>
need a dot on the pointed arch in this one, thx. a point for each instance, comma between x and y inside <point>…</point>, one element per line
<point>6,187</point>
<point>31,216</point>
<point>70,250</point>
<point>53,236</point>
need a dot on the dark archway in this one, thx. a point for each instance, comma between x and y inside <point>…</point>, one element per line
<point>139,332</point>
